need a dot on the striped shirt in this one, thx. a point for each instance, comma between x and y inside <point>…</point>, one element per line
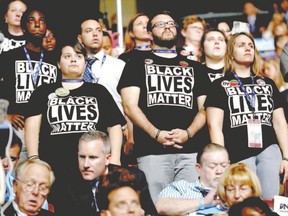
<point>182,189</point>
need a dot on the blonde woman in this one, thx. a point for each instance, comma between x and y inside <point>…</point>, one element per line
<point>238,183</point>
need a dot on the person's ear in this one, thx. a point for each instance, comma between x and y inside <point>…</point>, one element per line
<point>79,39</point>
<point>107,159</point>
<point>105,213</point>
<point>198,167</point>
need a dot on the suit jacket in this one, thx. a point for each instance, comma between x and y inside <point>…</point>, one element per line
<point>10,211</point>
<point>80,195</point>
<point>261,21</point>
<point>142,185</point>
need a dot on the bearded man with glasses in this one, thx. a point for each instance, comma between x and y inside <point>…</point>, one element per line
<point>163,94</point>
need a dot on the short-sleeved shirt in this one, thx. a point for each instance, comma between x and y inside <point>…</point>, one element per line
<point>64,119</point>
<point>11,42</point>
<point>227,95</point>
<point>182,189</point>
<point>16,84</point>
<point>169,88</point>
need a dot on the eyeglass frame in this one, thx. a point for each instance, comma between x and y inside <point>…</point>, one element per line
<point>50,36</point>
<point>164,24</point>
<point>196,28</point>
<point>30,188</point>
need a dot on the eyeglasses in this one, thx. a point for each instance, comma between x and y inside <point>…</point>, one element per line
<point>162,24</point>
<point>5,156</point>
<point>50,36</point>
<point>196,28</point>
<point>30,186</point>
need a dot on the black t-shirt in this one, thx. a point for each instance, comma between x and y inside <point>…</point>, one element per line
<point>65,119</point>
<point>227,95</point>
<point>169,88</point>
<point>16,83</point>
<point>11,42</point>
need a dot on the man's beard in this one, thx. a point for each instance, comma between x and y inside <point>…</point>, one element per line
<point>36,40</point>
<point>165,43</point>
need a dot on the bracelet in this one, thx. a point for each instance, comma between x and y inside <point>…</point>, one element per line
<point>157,135</point>
<point>201,203</point>
<point>284,158</point>
<point>33,157</point>
<point>188,134</point>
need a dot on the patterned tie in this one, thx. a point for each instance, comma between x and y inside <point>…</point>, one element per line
<point>88,76</point>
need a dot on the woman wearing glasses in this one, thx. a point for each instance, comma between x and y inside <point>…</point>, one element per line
<point>192,30</point>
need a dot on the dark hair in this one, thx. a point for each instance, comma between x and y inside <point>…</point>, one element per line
<point>105,33</point>
<point>168,13</point>
<point>95,17</point>
<point>255,203</point>
<point>204,38</point>
<point>26,14</point>
<point>77,47</point>
<point>16,141</point>
<point>115,179</point>
<point>4,138</point>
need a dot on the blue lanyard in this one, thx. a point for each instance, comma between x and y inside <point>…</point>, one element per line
<point>35,73</point>
<point>103,59</point>
<point>163,51</point>
<point>142,47</point>
<point>72,80</point>
<point>249,98</point>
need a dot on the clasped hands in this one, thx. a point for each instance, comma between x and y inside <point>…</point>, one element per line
<point>174,138</point>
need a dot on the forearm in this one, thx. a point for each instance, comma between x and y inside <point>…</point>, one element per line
<point>116,139</point>
<point>281,130</point>
<point>32,130</point>
<point>130,137</point>
<point>138,118</point>
<point>173,206</point>
<point>216,135</point>
<point>198,122</point>
<point>215,118</point>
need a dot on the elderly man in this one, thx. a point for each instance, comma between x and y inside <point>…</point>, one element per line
<point>183,197</point>
<point>33,180</point>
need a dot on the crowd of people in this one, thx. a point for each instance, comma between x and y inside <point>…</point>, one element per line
<point>190,118</point>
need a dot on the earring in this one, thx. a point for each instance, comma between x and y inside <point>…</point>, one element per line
<point>6,21</point>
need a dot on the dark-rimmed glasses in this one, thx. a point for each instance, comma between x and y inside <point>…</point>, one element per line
<point>162,24</point>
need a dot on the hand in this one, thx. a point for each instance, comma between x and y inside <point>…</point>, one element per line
<point>211,199</point>
<point>166,139</point>
<point>128,147</point>
<point>176,138</point>
<point>284,170</point>
<point>16,120</point>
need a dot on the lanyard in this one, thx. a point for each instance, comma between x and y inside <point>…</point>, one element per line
<point>103,59</point>
<point>34,73</point>
<point>250,99</point>
<point>141,47</point>
<point>163,51</point>
<point>72,80</point>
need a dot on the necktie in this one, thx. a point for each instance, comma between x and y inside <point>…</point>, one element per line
<point>88,76</point>
<point>94,202</point>
<point>203,191</point>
